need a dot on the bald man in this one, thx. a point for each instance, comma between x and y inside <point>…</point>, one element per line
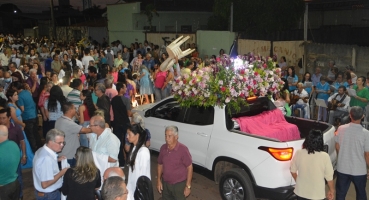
<point>114,171</point>
<point>104,142</point>
<point>9,162</point>
<point>114,188</point>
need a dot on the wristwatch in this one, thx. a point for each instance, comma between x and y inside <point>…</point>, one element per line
<point>188,186</point>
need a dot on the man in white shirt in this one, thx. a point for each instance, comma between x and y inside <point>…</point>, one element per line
<point>103,141</point>
<point>86,60</point>
<point>303,97</point>
<point>47,178</point>
<point>341,101</point>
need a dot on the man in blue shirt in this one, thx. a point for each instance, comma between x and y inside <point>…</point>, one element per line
<point>29,115</point>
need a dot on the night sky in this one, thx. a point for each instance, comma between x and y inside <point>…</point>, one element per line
<point>40,5</point>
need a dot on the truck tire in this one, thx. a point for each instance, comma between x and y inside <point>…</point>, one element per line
<point>235,184</point>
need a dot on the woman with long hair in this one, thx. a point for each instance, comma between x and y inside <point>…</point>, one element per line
<point>307,79</point>
<point>86,111</point>
<point>138,156</point>
<point>81,181</point>
<point>291,78</point>
<point>16,119</point>
<point>39,71</point>
<point>137,119</point>
<point>282,99</point>
<point>53,106</point>
<point>362,93</point>
<point>310,166</point>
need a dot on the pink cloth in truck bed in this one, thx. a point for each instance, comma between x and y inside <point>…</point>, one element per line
<point>271,124</point>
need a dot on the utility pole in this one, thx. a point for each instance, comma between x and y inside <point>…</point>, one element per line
<point>306,20</point>
<point>52,20</point>
<point>231,27</point>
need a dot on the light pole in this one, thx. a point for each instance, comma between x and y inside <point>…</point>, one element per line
<point>52,20</point>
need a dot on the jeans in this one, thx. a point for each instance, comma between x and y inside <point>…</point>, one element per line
<point>343,183</point>
<point>10,190</point>
<point>20,179</point>
<point>48,196</point>
<point>83,140</point>
<point>302,107</point>
<point>160,94</point>
<point>342,115</point>
<point>120,131</point>
<point>31,131</point>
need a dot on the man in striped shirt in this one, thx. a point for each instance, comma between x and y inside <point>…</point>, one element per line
<point>74,95</point>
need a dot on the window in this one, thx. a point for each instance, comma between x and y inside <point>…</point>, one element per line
<point>200,116</point>
<point>170,111</point>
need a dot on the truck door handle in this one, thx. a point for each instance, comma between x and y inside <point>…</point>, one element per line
<point>203,134</point>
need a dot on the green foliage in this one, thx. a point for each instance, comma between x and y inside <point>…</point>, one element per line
<point>150,11</point>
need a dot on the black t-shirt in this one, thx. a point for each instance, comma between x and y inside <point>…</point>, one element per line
<point>103,103</point>
<point>119,107</point>
<point>77,191</point>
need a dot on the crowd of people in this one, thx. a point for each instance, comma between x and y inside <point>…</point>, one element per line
<point>84,101</point>
<point>85,98</point>
<point>332,94</point>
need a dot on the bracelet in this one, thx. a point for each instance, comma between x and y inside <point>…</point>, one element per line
<point>24,156</point>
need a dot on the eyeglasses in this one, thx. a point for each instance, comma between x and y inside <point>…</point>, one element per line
<point>60,143</point>
<point>94,125</point>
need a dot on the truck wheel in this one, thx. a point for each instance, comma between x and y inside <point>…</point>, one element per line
<point>235,184</point>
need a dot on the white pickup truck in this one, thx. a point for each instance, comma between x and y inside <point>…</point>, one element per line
<point>243,164</point>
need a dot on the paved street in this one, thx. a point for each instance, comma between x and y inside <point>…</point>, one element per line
<point>203,187</point>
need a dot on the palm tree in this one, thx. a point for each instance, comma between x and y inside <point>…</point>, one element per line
<point>149,11</point>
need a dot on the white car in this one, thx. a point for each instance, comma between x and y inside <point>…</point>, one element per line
<point>244,165</point>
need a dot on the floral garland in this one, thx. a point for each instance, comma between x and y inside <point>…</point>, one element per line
<point>228,81</point>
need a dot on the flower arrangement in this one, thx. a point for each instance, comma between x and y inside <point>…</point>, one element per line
<point>228,81</point>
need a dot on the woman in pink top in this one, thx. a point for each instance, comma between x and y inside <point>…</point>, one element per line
<point>160,84</point>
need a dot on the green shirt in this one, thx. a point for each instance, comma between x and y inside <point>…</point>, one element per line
<point>363,93</point>
<point>9,160</point>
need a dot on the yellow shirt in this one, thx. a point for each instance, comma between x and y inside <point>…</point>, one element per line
<point>312,169</point>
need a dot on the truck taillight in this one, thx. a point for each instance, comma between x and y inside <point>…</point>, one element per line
<point>281,154</point>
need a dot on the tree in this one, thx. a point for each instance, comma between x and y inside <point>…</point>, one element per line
<point>260,16</point>
<point>150,11</point>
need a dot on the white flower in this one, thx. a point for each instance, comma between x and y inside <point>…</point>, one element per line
<point>228,100</point>
<point>179,92</point>
<point>220,82</point>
